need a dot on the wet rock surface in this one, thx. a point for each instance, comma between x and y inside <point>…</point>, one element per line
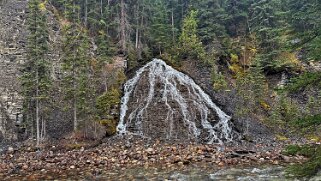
<point>227,100</point>
<point>161,102</point>
<point>110,159</point>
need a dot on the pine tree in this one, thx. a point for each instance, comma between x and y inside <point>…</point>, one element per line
<point>305,23</point>
<point>76,66</point>
<point>160,29</point>
<point>36,80</point>
<point>252,89</point>
<point>237,21</point>
<point>123,27</point>
<point>190,44</point>
<point>105,48</point>
<point>172,6</point>
<point>212,17</point>
<point>264,21</point>
<point>212,27</point>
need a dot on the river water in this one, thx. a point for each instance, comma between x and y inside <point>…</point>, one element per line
<point>200,173</point>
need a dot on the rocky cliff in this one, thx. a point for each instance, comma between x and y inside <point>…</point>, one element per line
<point>12,56</point>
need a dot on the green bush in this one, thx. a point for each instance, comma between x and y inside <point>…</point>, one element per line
<point>110,126</point>
<point>309,121</point>
<point>106,105</point>
<point>304,150</point>
<point>305,80</point>
<point>107,101</point>
<point>219,83</point>
<point>309,168</point>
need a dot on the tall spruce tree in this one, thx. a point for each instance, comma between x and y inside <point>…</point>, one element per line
<point>212,17</point>
<point>264,22</point>
<point>190,44</point>
<point>160,29</point>
<point>237,21</point>
<point>36,80</point>
<point>305,23</point>
<point>76,65</point>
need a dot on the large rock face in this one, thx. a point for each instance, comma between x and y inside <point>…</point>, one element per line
<point>228,101</point>
<point>12,55</point>
<point>163,103</point>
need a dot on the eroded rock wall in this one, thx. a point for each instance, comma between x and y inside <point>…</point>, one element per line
<point>227,100</point>
<point>12,56</point>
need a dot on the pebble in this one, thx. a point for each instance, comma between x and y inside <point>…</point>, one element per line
<point>82,149</point>
<point>25,167</point>
<point>10,149</point>
<point>149,150</point>
<point>221,164</point>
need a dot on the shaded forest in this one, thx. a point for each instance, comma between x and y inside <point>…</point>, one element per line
<point>244,42</point>
<point>261,58</point>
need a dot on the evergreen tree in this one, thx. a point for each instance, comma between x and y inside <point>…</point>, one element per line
<point>175,19</point>
<point>237,21</point>
<point>212,17</point>
<point>36,79</point>
<point>123,27</point>
<point>265,23</point>
<point>305,23</point>
<point>190,44</point>
<point>160,29</point>
<point>105,48</point>
<point>76,66</point>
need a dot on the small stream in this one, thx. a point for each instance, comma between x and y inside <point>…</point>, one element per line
<point>200,173</point>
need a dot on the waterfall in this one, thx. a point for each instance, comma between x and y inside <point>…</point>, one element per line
<point>160,101</point>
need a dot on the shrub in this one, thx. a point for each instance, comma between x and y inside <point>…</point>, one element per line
<point>106,102</point>
<point>110,126</point>
<point>309,121</point>
<point>303,81</point>
<point>309,168</point>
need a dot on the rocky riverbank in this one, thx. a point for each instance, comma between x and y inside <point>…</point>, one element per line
<point>54,162</point>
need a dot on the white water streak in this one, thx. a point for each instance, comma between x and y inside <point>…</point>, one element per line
<point>170,78</point>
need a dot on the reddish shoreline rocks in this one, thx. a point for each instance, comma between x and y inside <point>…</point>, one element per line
<point>61,164</point>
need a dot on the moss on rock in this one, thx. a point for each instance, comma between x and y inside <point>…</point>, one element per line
<point>110,126</point>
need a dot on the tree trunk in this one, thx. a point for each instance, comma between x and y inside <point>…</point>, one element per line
<point>101,9</point>
<point>75,115</point>
<point>41,131</point>
<point>74,96</point>
<point>123,26</point>
<point>137,27</point>
<point>86,13</point>
<point>173,27</point>
<point>140,46</point>
<point>37,108</point>
<point>75,104</point>
<point>44,129</point>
